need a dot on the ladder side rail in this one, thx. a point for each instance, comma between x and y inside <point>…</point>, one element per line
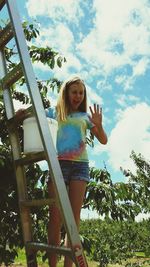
<point>53,163</point>
<point>15,144</point>
<point>6,93</point>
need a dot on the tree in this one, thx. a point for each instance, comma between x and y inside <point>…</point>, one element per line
<point>112,242</point>
<point>120,201</point>
<point>139,182</point>
<point>111,200</point>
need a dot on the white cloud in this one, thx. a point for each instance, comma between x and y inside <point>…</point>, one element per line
<point>121,100</point>
<point>103,85</point>
<point>141,67</point>
<point>120,37</point>
<point>61,39</point>
<point>58,10</point>
<point>125,100</point>
<point>132,132</point>
<point>93,97</point>
<point>58,37</point>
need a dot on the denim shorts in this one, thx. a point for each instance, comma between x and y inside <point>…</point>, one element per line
<point>74,170</point>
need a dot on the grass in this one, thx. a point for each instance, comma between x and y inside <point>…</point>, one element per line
<point>20,261</point>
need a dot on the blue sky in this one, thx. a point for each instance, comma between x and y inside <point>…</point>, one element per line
<point>107,43</point>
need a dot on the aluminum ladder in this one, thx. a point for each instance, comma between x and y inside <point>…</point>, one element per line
<point>7,79</point>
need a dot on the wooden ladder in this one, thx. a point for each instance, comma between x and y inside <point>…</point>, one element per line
<point>24,68</point>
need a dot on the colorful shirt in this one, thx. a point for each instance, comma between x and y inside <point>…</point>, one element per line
<point>71,135</point>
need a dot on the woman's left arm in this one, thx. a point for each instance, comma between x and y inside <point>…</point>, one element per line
<point>96,119</point>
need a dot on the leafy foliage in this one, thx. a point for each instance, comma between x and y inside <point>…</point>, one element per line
<point>30,30</point>
<point>140,182</point>
<point>111,200</point>
<point>114,242</point>
<point>46,56</point>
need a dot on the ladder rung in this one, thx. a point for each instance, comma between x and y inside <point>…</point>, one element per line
<point>13,122</point>
<point>49,248</point>
<point>12,76</point>
<point>37,202</point>
<point>2,3</point>
<point>31,158</point>
<point>6,35</point>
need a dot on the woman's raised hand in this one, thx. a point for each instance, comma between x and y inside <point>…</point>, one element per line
<point>96,114</point>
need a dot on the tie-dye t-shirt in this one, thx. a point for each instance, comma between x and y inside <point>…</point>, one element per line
<point>71,135</point>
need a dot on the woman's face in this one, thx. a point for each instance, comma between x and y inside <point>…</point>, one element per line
<point>76,94</point>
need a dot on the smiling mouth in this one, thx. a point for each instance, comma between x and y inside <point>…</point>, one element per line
<point>76,102</point>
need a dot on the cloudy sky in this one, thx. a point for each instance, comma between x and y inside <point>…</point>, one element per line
<point>107,43</point>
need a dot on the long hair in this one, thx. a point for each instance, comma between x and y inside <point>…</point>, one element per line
<point>63,106</point>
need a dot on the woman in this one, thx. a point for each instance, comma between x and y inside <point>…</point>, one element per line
<point>73,122</point>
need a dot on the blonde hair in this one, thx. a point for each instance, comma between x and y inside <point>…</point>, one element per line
<point>63,108</point>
